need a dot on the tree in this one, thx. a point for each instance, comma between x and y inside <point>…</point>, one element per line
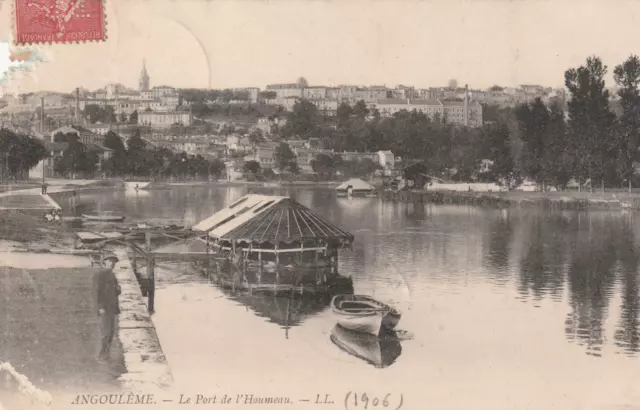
<point>324,166</point>
<point>627,77</point>
<point>252,167</point>
<point>302,120</point>
<point>503,165</point>
<point>285,158</point>
<point>117,163</point>
<point>21,152</point>
<point>268,173</point>
<point>114,142</point>
<point>534,120</point>
<point>590,121</point>
<point>302,82</point>
<point>453,84</point>
<point>360,110</point>
<point>256,136</point>
<point>133,118</point>
<point>136,154</point>
<point>122,117</point>
<point>75,158</point>
<point>343,114</point>
<point>95,113</point>
<point>216,167</point>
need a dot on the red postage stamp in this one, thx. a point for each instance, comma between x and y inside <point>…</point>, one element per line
<point>59,21</point>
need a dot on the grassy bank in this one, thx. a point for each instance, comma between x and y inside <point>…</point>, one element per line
<point>49,329</point>
<point>570,200</point>
<point>33,232</point>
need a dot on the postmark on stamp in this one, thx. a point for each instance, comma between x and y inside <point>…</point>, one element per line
<point>59,21</point>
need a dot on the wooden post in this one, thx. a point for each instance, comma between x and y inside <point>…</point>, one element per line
<point>151,274</point>
<point>277,255</point>
<point>300,259</point>
<point>334,252</point>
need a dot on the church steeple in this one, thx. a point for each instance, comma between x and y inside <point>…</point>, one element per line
<point>144,77</point>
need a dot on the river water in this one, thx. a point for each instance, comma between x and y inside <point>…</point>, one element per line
<point>501,308</point>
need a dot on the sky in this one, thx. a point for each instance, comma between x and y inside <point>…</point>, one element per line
<point>241,43</point>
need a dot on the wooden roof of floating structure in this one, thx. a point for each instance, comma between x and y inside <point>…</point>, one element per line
<point>356,184</point>
<point>270,219</point>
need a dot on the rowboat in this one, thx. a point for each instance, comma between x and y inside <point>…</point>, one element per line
<point>380,351</point>
<point>362,313</point>
<point>103,217</point>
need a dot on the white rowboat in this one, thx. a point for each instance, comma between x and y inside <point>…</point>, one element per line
<point>362,313</point>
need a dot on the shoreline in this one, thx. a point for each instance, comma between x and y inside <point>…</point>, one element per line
<point>568,200</point>
<point>545,200</point>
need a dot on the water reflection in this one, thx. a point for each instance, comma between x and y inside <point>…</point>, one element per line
<point>284,310</point>
<point>499,245</point>
<point>590,282</point>
<point>541,266</point>
<point>627,335</point>
<point>579,267</point>
<point>379,351</point>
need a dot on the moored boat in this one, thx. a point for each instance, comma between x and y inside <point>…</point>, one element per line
<point>380,351</point>
<point>362,313</point>
<point>103,217</point>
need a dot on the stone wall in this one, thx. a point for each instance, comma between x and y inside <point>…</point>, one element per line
<point>147,367</point>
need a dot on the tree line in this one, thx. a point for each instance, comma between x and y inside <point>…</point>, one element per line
<point>18,154</point>
<point>136,159</point>
<point>139,159</point>
<point>550,144</point>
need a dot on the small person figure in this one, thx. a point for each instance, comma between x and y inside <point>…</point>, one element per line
<point>107,290</point>
<point>44,188</point>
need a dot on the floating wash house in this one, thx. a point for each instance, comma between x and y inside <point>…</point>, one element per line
<point>355,186</point>
<point>267,231</point>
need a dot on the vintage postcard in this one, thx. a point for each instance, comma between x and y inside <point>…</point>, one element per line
<point>329,205</point>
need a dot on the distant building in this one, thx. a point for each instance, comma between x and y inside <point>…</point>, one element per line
<point>454,112</point>
<point>283,91</point>
<point>386,159</point>
<point>84,135</point>
<point>163,91</point>
<point>164,119</point>
<point>305,156</point>
<point>388,107</point>
<point>326,107</point>
<point>265,155</point>
<point>253,93</point>
<point>99,128</point>
<point>315,93</point>
<point>357,156</point>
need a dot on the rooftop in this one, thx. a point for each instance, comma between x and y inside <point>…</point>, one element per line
<point>272,219</point>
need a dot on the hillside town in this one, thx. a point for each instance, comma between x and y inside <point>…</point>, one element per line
<point>241,125</point>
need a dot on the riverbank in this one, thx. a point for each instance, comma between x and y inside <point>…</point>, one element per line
<point>50,330</point>
<point>324,184</point>
<point>551,200</point>
<point>31,232</point>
